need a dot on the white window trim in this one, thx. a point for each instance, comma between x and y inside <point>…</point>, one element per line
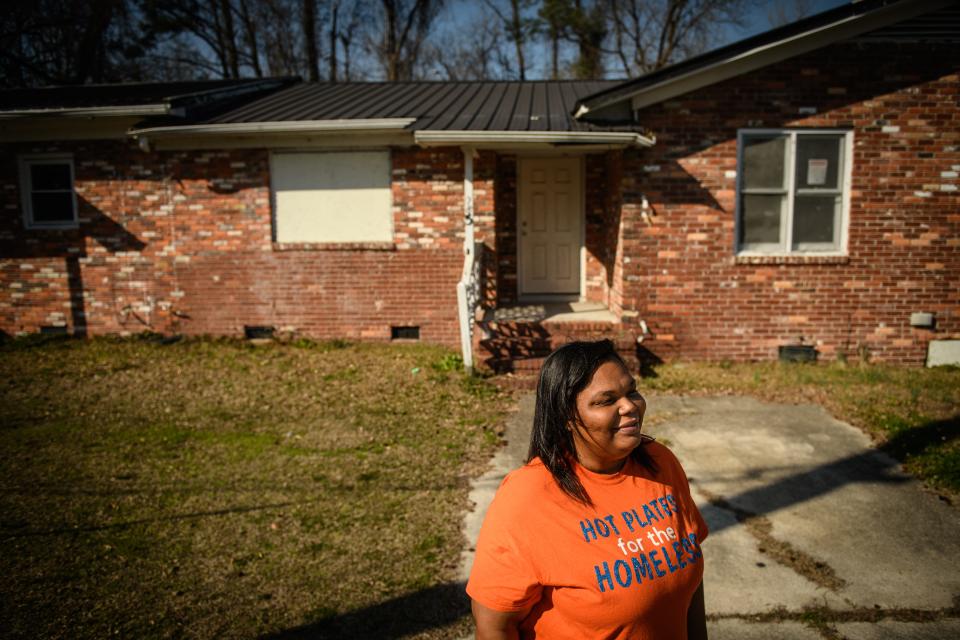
<point>26,189</point>
<point>786,228</point>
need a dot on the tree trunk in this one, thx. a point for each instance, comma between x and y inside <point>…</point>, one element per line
<point>251,36</point>
<point>518,37</point>
<point>333,41</point>
<point>390,46</point>
<point>345,40</point>
<point>310,39</point>
<point>555,54</point>
<point>230,38</point>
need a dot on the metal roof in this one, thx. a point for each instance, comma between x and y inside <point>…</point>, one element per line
<point>731,55</point>
<point>935,27</point>
<point>136,97</point>
<point>434,106</point>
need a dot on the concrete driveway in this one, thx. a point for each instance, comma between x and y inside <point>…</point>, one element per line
<point>814,534</point>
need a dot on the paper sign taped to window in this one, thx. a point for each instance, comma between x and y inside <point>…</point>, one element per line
<point>816,171</point>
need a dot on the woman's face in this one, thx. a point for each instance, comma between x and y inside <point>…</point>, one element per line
<point>611,415</point>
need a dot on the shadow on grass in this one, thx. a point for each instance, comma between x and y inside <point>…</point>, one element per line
<point>429,608</point>
<point>873,466</point>
<point>132,523</point>
<point>916,441</point>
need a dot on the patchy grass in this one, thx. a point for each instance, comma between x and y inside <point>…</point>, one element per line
<point>210,488</point>
<point>913,414</point>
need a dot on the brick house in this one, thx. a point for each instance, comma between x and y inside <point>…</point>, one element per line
<point>798,186</point>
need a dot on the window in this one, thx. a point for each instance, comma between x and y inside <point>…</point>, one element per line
<point>793,191</point>
<point>332,197</point>
<point>46,186</point>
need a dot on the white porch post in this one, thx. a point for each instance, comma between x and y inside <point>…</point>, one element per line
<point>464,303</point>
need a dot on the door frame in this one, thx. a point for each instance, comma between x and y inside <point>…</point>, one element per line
<point>580,296</point>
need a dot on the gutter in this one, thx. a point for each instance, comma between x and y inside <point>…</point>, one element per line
<point>171,105</point>
<point>439,138</point>
<point>140,110</point>
<point>291,126</point>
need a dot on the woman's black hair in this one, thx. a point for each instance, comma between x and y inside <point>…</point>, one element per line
<point>565,373</point>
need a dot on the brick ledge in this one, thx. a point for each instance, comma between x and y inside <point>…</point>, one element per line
<point>333,246</point>
<point>804,260</point>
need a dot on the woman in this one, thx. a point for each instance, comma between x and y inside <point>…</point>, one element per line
<point>597,535</point>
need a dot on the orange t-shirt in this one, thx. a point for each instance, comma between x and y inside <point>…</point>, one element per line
<point>626,568</point>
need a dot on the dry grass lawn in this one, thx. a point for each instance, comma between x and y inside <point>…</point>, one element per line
<point>210,488</point>
<point>913,414</point>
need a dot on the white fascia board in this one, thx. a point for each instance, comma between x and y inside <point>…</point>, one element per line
<point>296,126</point>
<point>91,112</point>
<point>770,54</point>
<point>437,138</point>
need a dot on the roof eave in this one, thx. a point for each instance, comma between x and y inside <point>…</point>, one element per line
<point>91,112</point>
<point>618,138</point>
<point>303,126</point>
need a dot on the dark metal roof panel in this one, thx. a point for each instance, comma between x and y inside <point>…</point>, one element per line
<point>938,26</point>
<point>558,115</point>
<point>432,115</point>
<point>450,106</point>
<point>520,116</point>
<point>501,117</point>
<point>130,94</point>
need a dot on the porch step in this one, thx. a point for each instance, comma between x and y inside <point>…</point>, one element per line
<point>520,347</point>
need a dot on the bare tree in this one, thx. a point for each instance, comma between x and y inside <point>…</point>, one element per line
<point>404,26</point>
<point>650,34</point>
<point>785,12</point>
<point>350,26</point>
<point>518,27</point>
<point>587,29</point>
<point>476,54</point>
<point>554,15</point>
<point>210,23</point>
<point>63,42</point>
<point>308,19</point>
<point>251,37</point>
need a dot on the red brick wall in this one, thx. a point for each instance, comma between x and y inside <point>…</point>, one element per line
<point>901,103</point>
<point>181,242</point>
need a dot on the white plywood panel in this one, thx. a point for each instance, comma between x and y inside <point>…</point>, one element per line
<point>332,197</point>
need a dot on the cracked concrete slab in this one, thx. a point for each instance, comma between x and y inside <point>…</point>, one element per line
<point>735,565</point>
<point>744,630</point>
<point>891,630</point>
<point>826,492</point>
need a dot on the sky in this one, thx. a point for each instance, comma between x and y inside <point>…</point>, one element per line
<point>461,16</point>
<point>758,21</point>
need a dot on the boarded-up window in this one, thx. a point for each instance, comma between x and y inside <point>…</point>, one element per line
<point>332,196</point>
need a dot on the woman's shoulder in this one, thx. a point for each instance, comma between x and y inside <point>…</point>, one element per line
<point>530,476</point>
<point>531,480</point>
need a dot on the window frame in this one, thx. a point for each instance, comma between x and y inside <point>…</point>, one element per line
<point>331,243</point>
<point>24,163</point>
<point>785,246</point>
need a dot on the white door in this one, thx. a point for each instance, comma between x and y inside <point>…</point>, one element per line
<point>549,213</point>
